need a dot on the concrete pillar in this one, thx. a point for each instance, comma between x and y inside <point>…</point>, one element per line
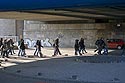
<point>19,28</point>
<point>7,27</point>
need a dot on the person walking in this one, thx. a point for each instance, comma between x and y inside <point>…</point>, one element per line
<point>100,45</point>
<point>123,51</point>
<point>56,48</point>
<point>22,47</point>
<point>9,46</point>
<point>1,43</point>
<point>76,47</point>
<point>97,45</point>
<point>82,46</point>
<point>20,51</point>
<point>4,48</point>
<point>12,46</point>
<point>38,49</point>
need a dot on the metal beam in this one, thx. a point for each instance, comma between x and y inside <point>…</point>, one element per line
<point>70,15</point>
<point>118,8</point>
<point>94,13</point>
<point>55,14</point>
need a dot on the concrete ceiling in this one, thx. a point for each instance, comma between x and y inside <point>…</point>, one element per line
<point>72,14</point>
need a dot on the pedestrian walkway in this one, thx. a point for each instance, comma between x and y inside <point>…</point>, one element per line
<point>63,68</point>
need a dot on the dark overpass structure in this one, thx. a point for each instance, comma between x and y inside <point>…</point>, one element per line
<point>63,10</point>
<point>17,5</point>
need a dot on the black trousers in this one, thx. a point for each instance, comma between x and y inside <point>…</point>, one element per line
<point>57,51</point>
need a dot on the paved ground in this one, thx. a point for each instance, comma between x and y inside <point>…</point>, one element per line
<point>59,69</point>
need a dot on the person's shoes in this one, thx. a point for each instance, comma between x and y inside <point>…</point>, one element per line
<point>76,54</point>
<point>80,54</point>
<point>95,50</point>
<point>41,56</point>
<point>53,55</point>
<point>7,56</point>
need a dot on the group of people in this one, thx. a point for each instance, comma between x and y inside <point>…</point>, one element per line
<point>79,47</point>
<point>101,46</point>
<point>6,47</point>
<point>39,45</point>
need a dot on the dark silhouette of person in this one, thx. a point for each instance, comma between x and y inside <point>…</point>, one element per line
<point>10,44</point>
<point>5,49</point>
<point>123,51</point>
<point>22,47</point>
<point>82,46</point>
<point>38,48</point>
<point>19,43</point>
<point>76,47</point>
<point>56,47</point>
<point>100,45</point>
<point>1,43</point>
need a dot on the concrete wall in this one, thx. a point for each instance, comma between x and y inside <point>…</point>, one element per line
<point>33,30</point>
<point>10,28</point>
<point>7,27</point>
<point>69,32</point>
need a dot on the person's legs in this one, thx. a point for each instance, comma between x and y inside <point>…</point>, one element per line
<point>23,53</point>
<point>84,50</point>
<point>13,50</point>
<point>3,54</point>
<point>6,54</point>
<point>55,51</point>
<point>40,53</point>
<point>100,50</point>
<point>58,51</point>
<point>10,50</point>
<point>123,52</point>
<point>97,48</point>
<point>35,52</point>
<point>19,53</point>
<point>80,51</point>
<point>76,52</point>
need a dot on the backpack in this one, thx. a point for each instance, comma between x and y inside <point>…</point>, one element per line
<point>97,42</point>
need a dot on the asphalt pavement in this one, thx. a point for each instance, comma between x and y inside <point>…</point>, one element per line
<point>49,69</point>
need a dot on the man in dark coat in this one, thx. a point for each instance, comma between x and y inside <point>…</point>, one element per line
<point>56,47</point>
<point>82,46</point>
<point>38,48</point>
<point>22,47</point>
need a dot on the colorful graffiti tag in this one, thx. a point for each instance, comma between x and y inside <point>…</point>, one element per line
<point>31,43</point>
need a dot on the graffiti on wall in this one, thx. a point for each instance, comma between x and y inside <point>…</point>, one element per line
<point>32,43</point>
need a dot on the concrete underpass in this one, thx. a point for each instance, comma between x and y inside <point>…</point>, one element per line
<point>68,21</point>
